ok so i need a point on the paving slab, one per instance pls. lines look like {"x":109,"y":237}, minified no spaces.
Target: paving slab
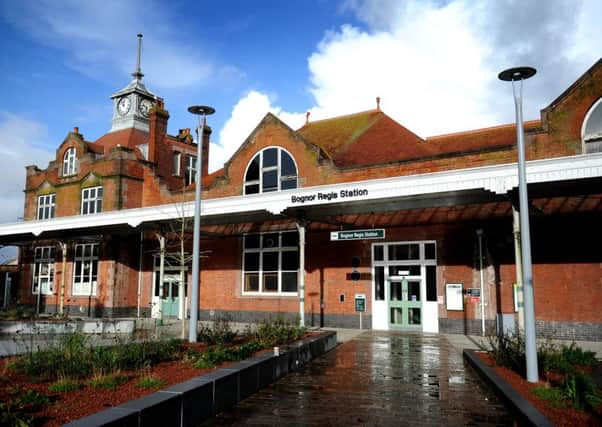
{"x":376,"y":378}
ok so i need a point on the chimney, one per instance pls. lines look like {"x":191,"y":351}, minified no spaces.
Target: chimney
{"x":205,"y":152}
{"x":307,"y":117}
{"x":157,"y":129}
{"x":378,"y":103}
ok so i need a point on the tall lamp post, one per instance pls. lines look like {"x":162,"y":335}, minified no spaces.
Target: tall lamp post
{"x":516,"y":76}
{"x":204,"y":111}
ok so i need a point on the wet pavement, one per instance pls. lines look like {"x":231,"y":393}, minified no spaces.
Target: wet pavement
{"x":380,"y":379}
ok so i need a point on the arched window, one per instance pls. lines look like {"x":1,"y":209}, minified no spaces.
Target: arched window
{"x":70,"y":162}
{"x":272,"y":169}
{"x":591,"y":132}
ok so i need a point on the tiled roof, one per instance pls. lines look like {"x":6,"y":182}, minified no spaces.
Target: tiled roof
{"x":372,"y":137}
{"x":479,"y":139}
{"x":369,"y":137}
{"x":126,"y":138}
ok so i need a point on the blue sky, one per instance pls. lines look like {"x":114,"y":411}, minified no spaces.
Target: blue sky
{"x":434,"y":65}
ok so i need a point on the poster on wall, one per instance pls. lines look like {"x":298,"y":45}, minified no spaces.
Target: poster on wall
{"x":454,"y":296}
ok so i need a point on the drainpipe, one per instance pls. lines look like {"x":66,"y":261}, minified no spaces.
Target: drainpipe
{"x":63,"y":268}
{"x":480,"y":237}
{"x":519,"y":269}
{"x":161,"y":274}
{"x":139,"y":293}
{"x":301,"y":228}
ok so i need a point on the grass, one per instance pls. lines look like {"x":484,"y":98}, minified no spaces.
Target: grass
{"x":64,"y":385}
{"x":151,"y":382}
{"x":107,"y":381}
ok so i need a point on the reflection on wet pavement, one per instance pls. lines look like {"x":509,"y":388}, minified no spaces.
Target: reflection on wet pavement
{"x":378,"y":378}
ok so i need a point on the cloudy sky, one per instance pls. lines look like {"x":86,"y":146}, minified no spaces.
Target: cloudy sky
{"x":434,"y":65}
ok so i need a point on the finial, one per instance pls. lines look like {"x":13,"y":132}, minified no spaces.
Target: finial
{"x":378,"y":103}
{"x":138,"y":73}
{"x":307,"y":117}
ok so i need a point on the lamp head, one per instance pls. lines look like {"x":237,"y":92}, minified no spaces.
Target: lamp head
{"x":517,"y":73}
{"x":201,"y":110}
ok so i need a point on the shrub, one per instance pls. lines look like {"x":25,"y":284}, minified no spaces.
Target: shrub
{"x":107,"y":381}
{"x":18,"y":410}
{"x":275,"y":332}
{"x":220,"y":332}
{"x":74,"y":358}
{"x":581,"y":391}
{"x":553,"y":395}
{"x":219,"y":354}
{"x":64,"y":385}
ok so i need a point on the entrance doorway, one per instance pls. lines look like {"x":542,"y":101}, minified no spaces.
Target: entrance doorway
{"x":170,"y":303}
{"x":405,"y":304}
{"x":167,"y":299}
{"x":405,"y":286}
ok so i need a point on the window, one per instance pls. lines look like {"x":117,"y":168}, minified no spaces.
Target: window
{"x":46,"y":205}
{"x":91,"y":200}
{"x":144,"y":150}
{"x":70,"y":162}
{"x":85,"y":272}
{"x":190,"y":169}
{"x":43,"y":270}
{"x":271,"y":263}
{"x":591,"y":132}
{"x":176,"y":159}
{"x":272,"y":169}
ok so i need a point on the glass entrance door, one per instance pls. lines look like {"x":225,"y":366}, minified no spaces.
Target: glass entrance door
{"x":405,"y":306}
{"x":171,"y":302}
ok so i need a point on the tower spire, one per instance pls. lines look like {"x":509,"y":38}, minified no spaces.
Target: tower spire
{"x":138,"y":73}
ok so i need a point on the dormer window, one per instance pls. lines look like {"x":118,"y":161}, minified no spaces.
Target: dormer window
{"x":70,"y":162}
{"x":272,"y":169}
{"x":591,"y":132}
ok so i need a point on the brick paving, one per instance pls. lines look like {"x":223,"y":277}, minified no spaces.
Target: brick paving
{"x":380,"y":379}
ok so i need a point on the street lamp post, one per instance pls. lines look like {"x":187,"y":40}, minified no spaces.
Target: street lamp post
{"x":514,"y":75}
{"x":204,"y":111}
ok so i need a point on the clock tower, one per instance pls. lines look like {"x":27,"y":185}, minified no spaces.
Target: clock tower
{"x":131,"y":105}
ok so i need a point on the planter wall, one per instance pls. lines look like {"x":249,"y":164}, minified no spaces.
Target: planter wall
{"x":191,"y":402}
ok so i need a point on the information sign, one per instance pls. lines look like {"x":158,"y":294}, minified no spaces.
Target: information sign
{"x":360,"y":303}
{"x":373,"y":233}
{"x":454,"y":296}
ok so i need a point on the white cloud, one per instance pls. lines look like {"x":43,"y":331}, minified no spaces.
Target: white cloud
{"x":245,"y":116}
{"x":98,"y":38}
{"x":20,"y":139}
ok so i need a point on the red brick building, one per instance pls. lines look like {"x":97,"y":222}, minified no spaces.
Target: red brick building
{"x":303,"y":223}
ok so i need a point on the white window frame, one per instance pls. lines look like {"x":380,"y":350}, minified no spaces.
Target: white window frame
{"x":591,"y":143}
{"x":176,"y":163}
{"x":85,"y":277}
{"x":190,"y":169}
{"x":144,"y":150}
{"x":70,"y":162}
{"x":92,"y":200}
{"x":43,"y":271}
{"x":261,"y":250}
{"x":276,"y":167}
{"x":46,"y":206}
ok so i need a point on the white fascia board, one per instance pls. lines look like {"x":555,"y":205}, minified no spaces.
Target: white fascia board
{"x":498,"y":179}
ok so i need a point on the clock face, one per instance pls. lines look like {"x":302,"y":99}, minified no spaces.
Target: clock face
{"x":145,"y":106}
{"x":123,"y":106}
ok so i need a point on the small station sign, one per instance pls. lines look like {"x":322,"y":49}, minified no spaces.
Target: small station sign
{"x":360,"y":303}
{"x":373,"y":233}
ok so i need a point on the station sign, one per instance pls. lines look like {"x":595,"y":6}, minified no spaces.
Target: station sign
{"x":373,"y":233}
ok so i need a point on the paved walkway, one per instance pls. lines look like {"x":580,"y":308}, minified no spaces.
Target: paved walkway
{"x":376,"y":378}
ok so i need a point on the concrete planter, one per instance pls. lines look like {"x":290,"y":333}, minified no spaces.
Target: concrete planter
{"x":521,"y":408}
{"x":39,"y":327}
{"x":191,"y":402}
